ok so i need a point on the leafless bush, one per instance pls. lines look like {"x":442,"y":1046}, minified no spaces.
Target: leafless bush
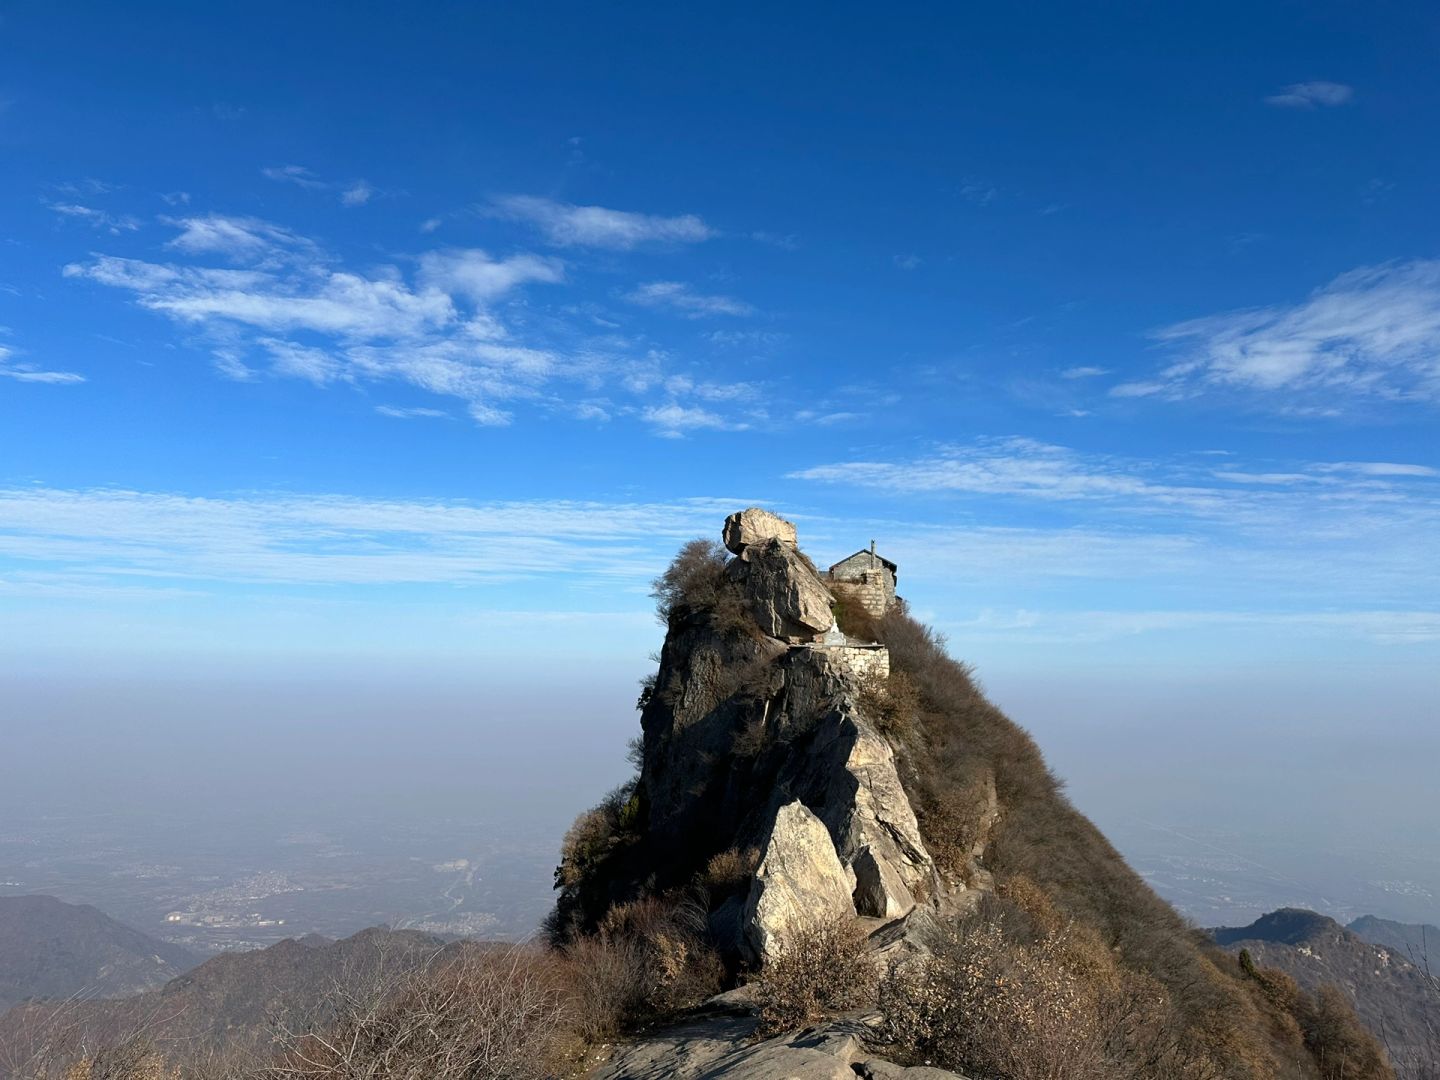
{"x":731,"y":870}
{"x":62,"y":1040}
{"x":1340,"y":1045}
{"x":1053,"y":1006}
{"x":649,"y":958}
{"x":852,"y":616}
{"x":594,"y":835}
{"x":821,"y":967}
{"x":473,"y":1012}
{"x":891,"y":703}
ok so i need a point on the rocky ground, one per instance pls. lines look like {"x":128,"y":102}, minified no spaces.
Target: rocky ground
{"x":719,"y":1041}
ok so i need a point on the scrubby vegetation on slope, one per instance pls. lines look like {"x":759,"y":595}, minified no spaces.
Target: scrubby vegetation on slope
{"x":1201,"y":1012}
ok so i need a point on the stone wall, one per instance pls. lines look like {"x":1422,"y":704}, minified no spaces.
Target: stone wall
{"x":863,"y":661}
{"x":874,"y":590}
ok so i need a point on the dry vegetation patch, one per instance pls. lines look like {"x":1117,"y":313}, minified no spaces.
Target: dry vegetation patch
{"x":820,"y":968}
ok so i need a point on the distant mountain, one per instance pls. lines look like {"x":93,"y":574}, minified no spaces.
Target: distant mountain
{"x":1288,"y":926}
{"x":229,"y":999}
{"x":50,"y":949}
{"x":1394,"y":998}
{"x":1416,"y":942}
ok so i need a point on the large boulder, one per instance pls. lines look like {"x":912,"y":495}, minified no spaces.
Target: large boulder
{"x":787,"y":598}
{"x":799,"y":879}
{"x":755,"y":526}
{"x":880,"y":891}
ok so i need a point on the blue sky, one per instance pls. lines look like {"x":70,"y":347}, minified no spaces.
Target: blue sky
{"x":418,"y":334}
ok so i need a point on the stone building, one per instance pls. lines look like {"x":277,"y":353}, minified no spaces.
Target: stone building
{"x":868,"y":577}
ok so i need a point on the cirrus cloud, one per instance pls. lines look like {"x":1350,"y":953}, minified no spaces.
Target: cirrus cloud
{"x":568,"y":225}
{"x":1371,"y":333}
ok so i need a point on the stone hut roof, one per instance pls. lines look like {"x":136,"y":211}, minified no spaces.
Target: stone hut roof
{"x":868,"y":554}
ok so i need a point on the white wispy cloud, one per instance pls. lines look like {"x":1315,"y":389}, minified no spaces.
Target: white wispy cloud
{"x":31,"y":374}
{"x":318,"y":540}
{"x":115,"y":224}
{"x":317,"y":299}
{"x":435,"y":331}
{"x":472,"y":273}
{"x":356,"y":194}
{"x":1309,"y":95}
{"x":680,"y":297}
{"x":1011,"y":467}
{"x":680,"y":385}
{"x":242,"y":239}
{"x":1084,"y":372}
{"x":350,"y":192}
{"x":1371,"y":333}
{"x":92,"y":547}
{"x":1379,"y":468}
{"x":411,"y":413}
{"x":1040,"y":627}
{"x":451,"y":321}
{"x":568,"y":225}
{"x":1355,"y":495}
{"x":825,"y":419}
{"x":675,"y":420}
{"x":23,"y":371}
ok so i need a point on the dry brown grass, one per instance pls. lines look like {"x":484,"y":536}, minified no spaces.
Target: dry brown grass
{"x":649,"y":958}
{"x":821,"y":968}
{"x":731,"y":870}
{"x":474,"y":1011}
{"x":1043,"y":1005}
{"x":695,"y":583}
{"x":892,"y":704}
{"x":960,"y":742}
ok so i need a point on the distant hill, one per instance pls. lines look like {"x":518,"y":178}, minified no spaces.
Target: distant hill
{"x":229,"y":999}
{"x":1393,"y":997}
{"x":1416,"y":942}
{"x":53,"y":950}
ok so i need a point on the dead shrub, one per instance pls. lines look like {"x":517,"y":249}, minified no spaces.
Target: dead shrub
{"x":890,"y":703}
{"x":649,"y":958}
{"x":595,"y":834}
{"x":731,"y":870}
{"x":1055,"y":1007}
{"x":695,"y":582}
{"x":130,"y":1059}
{"x":1340,"y":1045}
{"x":473,"y":1011}
{"x":820,"y":968}
{"x":607,"y":985}
{"x":953,"y":818}
{"x":852,"y":616}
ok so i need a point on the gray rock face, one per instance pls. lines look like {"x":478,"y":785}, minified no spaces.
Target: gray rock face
{"x":880,"y":892}
{"x":800,"y":878}
{"x":786,"y":597}
{"x":755,"y":526}
{"x":880,"y":821}
{"x":716,"y":1047}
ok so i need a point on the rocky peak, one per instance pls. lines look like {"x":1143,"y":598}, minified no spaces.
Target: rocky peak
{"x":758,"y":738}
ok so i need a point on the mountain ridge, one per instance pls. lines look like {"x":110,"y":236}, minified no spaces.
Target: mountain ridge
{"x":50,"y":949}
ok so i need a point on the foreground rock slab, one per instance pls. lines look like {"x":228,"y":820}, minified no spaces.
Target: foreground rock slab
{"x":713,"y":1048}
